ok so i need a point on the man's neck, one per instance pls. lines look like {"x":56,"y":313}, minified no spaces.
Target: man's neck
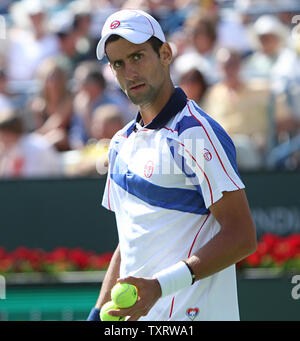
{"x":150,"y":110}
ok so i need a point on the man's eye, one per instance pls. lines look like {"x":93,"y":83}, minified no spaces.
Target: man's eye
{"x":136,"y":56}
{"x":117,"y":64}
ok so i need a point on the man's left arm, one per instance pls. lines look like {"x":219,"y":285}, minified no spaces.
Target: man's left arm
{"x":235,"y":240}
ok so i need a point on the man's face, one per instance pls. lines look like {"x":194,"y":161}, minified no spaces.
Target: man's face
{"x":270,"y":43}
{"x":139,"y":70}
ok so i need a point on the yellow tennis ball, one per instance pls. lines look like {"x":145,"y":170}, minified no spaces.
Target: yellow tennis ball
{"x":104,"y":316}
{"x":124,"y":295}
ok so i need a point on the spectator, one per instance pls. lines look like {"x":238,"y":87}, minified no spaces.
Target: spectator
{"x":271,"y":37}
{"x":194,"y":85}
{"x":29,"y":45}
{"x":106,"y":121}
{"x":286,"y":85}
{"x":287,"y":10}
{"x":23,"y":154}
{"x":170,"y":14}
{"x":242,"y":109}
{"x":52,"y":109}
{"x":93,"y":92}
{"x":179,"y":43}
{"x":4,"y":6}
{"x":232,"y":31}
{"x":202,"y":49}
{"x":86,"y":44}
{"x":5,"y":100}
{"x":68,"y":37}
{"x":286,"y":88}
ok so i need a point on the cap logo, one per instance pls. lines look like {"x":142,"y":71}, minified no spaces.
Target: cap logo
{"x":115,"y":24}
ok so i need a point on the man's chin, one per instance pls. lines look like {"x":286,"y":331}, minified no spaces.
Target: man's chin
{"x":137,"y":100}
{"x":141,"y":99}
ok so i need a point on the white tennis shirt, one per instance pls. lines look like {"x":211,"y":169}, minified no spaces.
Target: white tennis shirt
{"x":161,"y":181}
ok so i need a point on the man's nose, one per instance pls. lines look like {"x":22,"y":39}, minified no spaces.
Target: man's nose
{"x":130,"y":72}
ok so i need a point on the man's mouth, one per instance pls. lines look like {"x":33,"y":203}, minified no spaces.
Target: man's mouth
{"x":137,"y":87}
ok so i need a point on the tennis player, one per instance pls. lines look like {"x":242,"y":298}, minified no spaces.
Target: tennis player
{"x":182,"y":215}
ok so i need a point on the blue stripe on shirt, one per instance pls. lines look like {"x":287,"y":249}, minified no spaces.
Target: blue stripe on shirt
{"x":185,"y":123}
{"x":185,"y":200}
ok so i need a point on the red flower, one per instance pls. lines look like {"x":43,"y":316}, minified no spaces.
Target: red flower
{"x":20,"y":253}
{"x":6,"y":263}
{"x":274,"y":250}
{"x":253,"y":260}
{"x":294,"y":241}
{"x":267,"y":243}
{"x":287,"y":248}
{"x":23,"y":259}
{"x":99,"y":262}
{"x":79,"y":258}
{"x":2,"y":252}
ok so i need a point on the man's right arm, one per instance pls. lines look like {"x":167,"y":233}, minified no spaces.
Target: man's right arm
{"x":110,"y":279}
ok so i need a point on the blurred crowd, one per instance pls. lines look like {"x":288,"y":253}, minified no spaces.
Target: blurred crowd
{"x":59,"y":106}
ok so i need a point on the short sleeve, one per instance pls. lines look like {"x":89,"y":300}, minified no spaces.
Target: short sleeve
{"x":210,"y":158}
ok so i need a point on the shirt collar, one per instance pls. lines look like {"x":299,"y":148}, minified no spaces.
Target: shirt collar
{"x":175,"y":104}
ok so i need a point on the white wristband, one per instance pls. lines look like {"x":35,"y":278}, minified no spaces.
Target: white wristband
{"x":174,"y":278}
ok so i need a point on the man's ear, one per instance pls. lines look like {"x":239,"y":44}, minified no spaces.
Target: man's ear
{"x":166,"y":54}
